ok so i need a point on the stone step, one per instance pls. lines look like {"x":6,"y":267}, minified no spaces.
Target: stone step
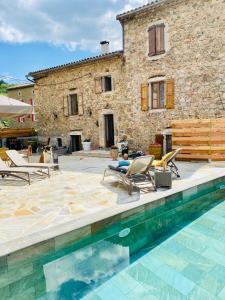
{"x":93,"y":153}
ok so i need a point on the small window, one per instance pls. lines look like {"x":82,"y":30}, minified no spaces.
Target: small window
{"x":73,"y":105}
{"x":103,"y":84}
{"x":107,"y":83}
{"x":156,"y":40}
{"x":158,"y":95}
{"x":19,"y":93}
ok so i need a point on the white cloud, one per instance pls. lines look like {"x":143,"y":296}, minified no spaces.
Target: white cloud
{"x":71,"y":23}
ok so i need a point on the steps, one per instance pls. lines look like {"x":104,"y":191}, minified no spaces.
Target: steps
{"x":93,"y":153}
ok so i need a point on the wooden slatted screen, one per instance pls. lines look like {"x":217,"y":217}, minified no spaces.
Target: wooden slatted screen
{"x":199,"y":139}
{"x":16,"y":132}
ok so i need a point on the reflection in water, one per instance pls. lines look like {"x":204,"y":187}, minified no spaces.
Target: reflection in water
{"x":74,"y":275}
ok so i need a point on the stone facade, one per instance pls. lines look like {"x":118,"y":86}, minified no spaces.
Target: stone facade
{"x":51,"y":93}
{"x":194,"y":59}
{"x":23,"y":93}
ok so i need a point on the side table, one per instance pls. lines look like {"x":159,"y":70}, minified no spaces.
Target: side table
{"x":163,"y":178}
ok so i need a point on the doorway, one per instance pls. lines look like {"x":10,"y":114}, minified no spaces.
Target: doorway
{"x":109,"y":130}
{"x":76,"y":142}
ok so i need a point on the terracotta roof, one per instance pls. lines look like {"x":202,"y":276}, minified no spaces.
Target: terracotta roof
{"x":20,"y":86}
{"x":78,"y":62}
{"x":148,"y":6}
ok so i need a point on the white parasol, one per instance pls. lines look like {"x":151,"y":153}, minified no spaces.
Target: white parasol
{"x":10,"y":108}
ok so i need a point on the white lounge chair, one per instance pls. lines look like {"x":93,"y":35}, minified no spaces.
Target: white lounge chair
{"x":136,"y":172}
{"x":19,"y":161}
{"x":16,"y":172}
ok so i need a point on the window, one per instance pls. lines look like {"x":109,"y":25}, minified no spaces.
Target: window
{"x":19,"y":93}
{"x":73,"y":105}
{"x":158,"y":95}
{"x":107,"y":83}
{"x":156,"y":40}
{"x":103,"y":84}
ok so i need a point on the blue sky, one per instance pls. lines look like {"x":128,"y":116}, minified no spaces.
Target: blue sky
{"x":36,"y":34}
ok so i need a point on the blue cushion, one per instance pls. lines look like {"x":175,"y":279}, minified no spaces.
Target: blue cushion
{"x":123,"y":163}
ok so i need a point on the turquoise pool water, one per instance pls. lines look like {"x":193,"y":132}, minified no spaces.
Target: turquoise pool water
{"x":173,"y":250}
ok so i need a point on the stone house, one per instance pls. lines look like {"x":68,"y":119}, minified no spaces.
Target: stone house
{"x":25,"y":93}
{"x":177,"y":59}
{"x":82,"y":100}
{"x":171,"y":67}
{"x":21,"y":131}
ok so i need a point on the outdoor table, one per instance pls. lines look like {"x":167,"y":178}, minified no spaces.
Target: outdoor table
{"x":163,"y":178}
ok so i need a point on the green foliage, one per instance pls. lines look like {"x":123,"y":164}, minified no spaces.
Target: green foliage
{"x":3,"y":87}
{"x":5,"y":123}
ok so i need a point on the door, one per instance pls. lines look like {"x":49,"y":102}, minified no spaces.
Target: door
{"x":109,"y":130}
{"x":76,"y":142}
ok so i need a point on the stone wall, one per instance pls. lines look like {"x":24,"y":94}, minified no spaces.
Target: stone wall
{"x":51,"y":95}
{"x":195,"y":60}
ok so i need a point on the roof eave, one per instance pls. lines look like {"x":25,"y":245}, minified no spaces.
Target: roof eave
{"x":133,"y":12}
{"x":75,"y":64}
{"x":22,"y":86}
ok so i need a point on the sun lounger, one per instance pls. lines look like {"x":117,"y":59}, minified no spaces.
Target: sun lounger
{"x":16,"y":172}
{"x":19,"y":161}
{"x":169,"y":160}
{"x":137,"y":171}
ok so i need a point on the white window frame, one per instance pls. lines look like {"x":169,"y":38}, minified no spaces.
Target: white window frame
{"x":150,"y":81}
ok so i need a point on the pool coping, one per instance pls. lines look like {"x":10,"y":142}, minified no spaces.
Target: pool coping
{"x":93,"y":219}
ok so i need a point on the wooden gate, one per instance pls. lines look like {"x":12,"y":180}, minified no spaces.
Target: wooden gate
{"x":199,"y":139}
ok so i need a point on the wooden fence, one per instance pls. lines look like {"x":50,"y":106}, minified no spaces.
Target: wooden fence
{"x":199,"y":139}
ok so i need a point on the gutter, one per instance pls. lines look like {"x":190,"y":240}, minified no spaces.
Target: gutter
{"x":74,"y":64}
{"x":149,"y":6}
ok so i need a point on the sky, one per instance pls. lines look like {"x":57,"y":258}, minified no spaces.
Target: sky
{"x":36,"y":34}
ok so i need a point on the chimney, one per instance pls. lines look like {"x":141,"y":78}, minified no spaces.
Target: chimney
{"x":104,"y":47}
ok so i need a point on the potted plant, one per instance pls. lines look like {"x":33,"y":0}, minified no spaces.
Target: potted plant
{"x":86,"y":144}
{"x":114,"y":152}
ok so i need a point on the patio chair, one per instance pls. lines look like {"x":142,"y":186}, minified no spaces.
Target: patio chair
{"x":19,"y":161}
{"x":3,"y":154}
{"x":169,"y":160}
{"x":137,"y":172}
{"x":16,"y":172}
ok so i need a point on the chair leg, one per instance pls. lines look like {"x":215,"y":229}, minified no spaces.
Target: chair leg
{"x":104,"y":174}
{"x":130,"y":189}
{"x":174,"y":169}
{"x":28,"y":175}
{"x":152,"y":181}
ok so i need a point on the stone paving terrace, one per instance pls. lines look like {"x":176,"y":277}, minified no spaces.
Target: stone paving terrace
{"x":75,"y":197}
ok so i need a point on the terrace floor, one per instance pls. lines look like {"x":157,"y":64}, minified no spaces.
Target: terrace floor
{"x":75,"y":197}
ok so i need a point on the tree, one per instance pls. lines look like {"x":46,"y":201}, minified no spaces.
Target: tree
{"x":3,"y":87}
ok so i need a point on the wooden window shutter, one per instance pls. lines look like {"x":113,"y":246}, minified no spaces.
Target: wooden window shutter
{"x":80,"y":105}
{"x":160,"y":40}
{"x":65,"y":106}
{"x":144,"y":97}
{"x":152,"y":40}
{"x":98,"y":85}
{"x":69,"y":105}
{"x":170,"y":94}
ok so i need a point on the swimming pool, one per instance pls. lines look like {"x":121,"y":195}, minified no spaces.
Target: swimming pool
{"x":170,"y":249}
